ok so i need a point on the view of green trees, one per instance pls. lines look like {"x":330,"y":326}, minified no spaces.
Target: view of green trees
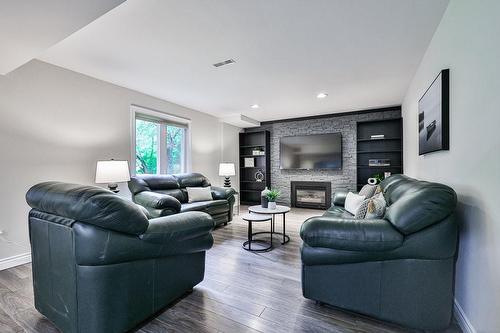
{"x":146,"y":141}
{"x":147,"y":134}
{"x":175,"y":139}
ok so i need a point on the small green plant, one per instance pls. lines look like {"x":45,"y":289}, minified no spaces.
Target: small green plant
{"x":272,"y":195}
{"x":379,"y":177}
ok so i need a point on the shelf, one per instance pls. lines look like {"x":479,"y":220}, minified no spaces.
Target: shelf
{"x":251,"y":146}
{"x":384,"y":139}
{"x":250,"y":142}
{"x":379,"y":151}
{"x":378,"y":167}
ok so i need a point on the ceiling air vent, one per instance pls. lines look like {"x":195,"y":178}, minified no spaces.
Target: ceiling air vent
{"x":225,"y":62}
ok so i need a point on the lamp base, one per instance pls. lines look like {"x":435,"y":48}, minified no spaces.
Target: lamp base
{"x":113,"y":187}
{"x":227,"y":182}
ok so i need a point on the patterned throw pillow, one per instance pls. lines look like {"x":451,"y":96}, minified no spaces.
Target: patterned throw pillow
{"x":361,"y":212}
{"x":376,"y":207}
{"x":378,"y":190}
{"x":368,"y":190}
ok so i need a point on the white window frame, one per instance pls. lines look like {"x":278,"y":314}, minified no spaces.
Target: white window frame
{"x":136,"y":110}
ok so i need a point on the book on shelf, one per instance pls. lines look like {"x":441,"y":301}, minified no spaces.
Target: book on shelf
{"x":377,"y":136}
{"x":379,"y":162}
{"x":249,"y":162}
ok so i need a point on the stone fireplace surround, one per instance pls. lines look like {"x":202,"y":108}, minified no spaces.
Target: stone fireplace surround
{"x":344,"y":123}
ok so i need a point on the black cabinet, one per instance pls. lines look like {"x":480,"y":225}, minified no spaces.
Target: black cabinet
{"x":255,"y":165}
{"x":379,"y":148}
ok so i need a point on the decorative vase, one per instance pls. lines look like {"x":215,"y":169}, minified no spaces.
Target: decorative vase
{"x":263,"y":197}
{"x":271,"y":205}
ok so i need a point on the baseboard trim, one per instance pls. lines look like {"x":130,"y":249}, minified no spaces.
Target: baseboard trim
{"x":462,"y":319}
{"x":14,"y":261}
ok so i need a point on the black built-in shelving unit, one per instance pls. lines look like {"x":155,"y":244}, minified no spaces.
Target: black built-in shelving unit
{"x":250,"y":189}
{"x":390,"y":147}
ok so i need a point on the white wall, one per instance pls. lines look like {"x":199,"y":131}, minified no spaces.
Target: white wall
{"x":467,"y":42}
{"x":55,"y":124}
{"x":230,"y":150}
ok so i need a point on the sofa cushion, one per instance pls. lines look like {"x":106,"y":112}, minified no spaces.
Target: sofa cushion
{"x":353,"y":202}
{"x":177,"y":193}
{"x":361,"y":211}
{"x":368,"y":190}
{"x":88,"y":204}
{"x":153,"y":183}
{"x":421,"y":207}
{"x":337,"y":211}
{"x":191,"y":180}
{"x":210,"y":207}
{"x":350,"y":234}
{"x":196,"y":194}
{"x":376,"y":207}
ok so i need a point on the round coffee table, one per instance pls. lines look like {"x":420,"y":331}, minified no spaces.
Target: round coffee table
{"x":251,"y":217}
{"x":258,"y":209}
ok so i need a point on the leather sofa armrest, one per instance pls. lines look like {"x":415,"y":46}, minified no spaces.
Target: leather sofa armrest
{"x":179,"y":228}
{"x":219,"y":193}
{"x":156,"y":200}
{"x":339,"y":197}
{"x":350,"y":234}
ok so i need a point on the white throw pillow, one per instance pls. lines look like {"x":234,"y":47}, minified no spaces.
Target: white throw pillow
{"x":353,"y":202}
{"x":199,"y":194}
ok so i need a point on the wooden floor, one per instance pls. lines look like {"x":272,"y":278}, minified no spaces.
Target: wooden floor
{"x":242,"y":292}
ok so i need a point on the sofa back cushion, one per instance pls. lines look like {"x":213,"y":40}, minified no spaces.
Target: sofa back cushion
{"x":88,"y":204}
{"x":155,"y":183}
{"x":191,"y":180}
{"x":414,"y":205}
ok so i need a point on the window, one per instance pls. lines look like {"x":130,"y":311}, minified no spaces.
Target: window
{"x":160,"y":143}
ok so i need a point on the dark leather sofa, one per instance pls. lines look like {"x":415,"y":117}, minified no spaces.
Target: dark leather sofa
{"x":399,"y":268}
{"x":99,"y":265}
{"x":164,"y":195}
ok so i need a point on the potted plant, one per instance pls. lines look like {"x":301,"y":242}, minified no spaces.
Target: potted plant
{"x":272,"y":195}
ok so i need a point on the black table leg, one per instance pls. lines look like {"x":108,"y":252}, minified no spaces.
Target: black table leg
{"x":250,"y":235}
{"x":284,"y":232}
{"x":272,"y":230}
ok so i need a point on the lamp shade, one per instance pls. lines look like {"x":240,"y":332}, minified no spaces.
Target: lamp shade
{"x":227,"y":169}
{"x":112,"y":172}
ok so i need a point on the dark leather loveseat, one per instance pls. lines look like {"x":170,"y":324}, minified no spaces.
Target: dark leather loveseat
{"x":399,"y":268}
{"x":164,"y":195}
{"x":100,"y":266}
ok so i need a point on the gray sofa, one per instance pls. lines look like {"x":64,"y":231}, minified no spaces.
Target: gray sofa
{"x":163,"y":195}
{"x":399,"y":268}
{"x":100,"y":266}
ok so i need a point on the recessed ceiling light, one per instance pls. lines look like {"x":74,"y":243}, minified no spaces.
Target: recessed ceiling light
{"x":255,"y":106}
{"x":322,"y":95}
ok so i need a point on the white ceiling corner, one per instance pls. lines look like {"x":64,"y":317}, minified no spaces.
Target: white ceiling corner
{"x":28,"y":27}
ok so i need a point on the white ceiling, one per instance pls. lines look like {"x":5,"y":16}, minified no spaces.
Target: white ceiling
{"x":363,"y":53}
{"x":29,"y":27}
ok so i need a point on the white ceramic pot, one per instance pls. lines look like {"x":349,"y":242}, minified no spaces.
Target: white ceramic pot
{"x":271,"y":205}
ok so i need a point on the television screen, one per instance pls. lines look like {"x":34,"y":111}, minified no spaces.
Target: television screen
{"x":308,"y":152}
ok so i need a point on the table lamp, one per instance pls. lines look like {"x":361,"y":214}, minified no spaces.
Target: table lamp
{"x":112,"y":172}
{"x":226,"y":170}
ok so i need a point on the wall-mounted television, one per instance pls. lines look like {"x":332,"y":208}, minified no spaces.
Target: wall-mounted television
{"x":311,"y":152}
